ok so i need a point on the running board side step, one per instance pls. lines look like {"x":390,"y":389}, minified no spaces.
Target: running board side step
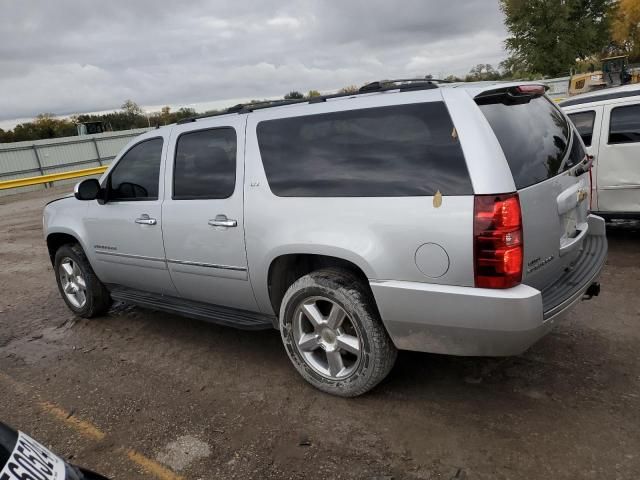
{"x":229,"y":317}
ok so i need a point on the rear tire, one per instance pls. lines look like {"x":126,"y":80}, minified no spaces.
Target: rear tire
{"x":333,"y":334}
{"x":80,"y":288}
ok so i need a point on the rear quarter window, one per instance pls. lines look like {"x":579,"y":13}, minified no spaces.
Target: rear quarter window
{"x":534,"y":137}
{"x":583,"y":122}
{"x":400,"y":150}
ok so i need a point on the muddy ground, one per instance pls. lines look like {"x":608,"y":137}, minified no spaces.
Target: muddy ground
{"x":210,"y":402}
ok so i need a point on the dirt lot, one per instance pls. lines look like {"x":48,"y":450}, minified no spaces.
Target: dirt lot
{"x":139,"y":394}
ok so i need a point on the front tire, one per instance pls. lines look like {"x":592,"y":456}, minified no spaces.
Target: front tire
{"x":79,"y":286}
{"x":333,"y":334}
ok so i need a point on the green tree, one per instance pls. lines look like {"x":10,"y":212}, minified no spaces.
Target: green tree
{"x":132,"y":108}
{"x":515,"y":68}
{"x":293,"y":95}
{"x":483,"y":71}
{"x":313,"y":93}
{"x":45,"y":125}
{"x":548,"y":36}
{"x":185,"y":112}
{"x":349,"y":89}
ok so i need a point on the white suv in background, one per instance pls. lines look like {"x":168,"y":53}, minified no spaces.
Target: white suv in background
{"x":609,"y":123}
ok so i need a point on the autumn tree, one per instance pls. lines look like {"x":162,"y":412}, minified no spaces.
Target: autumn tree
{"x":165,"y":115}
{"x":547,"y":36}
{"x":625,"y":28}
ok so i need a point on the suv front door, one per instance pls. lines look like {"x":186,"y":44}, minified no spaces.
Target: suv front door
{"x":125,"y":232}
{"x":203,"y":215}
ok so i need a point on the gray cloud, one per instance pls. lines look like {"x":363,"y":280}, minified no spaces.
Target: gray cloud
{"x":70,"y":56}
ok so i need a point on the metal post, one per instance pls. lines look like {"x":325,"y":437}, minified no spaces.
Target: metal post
{"x":35,"y":150}
{"x":95,"y":144}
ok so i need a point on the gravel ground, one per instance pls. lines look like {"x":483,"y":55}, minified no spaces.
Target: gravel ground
{"x":198,"y":401}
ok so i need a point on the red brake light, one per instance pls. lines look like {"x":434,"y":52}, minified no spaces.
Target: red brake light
{"x":497,"y":235}
{"x":531,"y":89}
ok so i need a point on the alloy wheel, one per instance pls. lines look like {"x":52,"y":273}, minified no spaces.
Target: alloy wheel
{"x":73,"y":283}
{"x":326,"y":337}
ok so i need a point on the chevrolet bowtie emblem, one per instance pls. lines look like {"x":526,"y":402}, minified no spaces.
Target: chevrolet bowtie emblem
{"x":582,"y":194}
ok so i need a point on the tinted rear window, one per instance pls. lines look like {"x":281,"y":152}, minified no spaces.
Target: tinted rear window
{"x":401,"y":150}
{"x":534,"y":137}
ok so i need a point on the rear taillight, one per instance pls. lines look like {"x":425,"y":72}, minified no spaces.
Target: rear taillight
{"x":497,"y":237}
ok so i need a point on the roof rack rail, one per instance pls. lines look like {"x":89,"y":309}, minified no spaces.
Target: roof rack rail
{"x":243,"y":108}
{"x":378,"y":86}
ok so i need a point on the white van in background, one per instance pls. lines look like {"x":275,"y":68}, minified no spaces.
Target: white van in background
{"x":609,"y":123}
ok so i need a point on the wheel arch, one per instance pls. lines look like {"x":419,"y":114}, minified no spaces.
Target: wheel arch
{"x":286,"y":268}
{"x":59,"y":238}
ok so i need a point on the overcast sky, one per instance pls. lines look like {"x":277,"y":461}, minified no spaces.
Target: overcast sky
{"x":70,"y":57}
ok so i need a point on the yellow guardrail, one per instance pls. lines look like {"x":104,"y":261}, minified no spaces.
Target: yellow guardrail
{"x":50,"y":177}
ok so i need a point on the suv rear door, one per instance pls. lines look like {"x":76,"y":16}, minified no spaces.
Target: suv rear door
{"x":203,"y":213}
{"x":619,"y":158}
{"x":543,"y":154}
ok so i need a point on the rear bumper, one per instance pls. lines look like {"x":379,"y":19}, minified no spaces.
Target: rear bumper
{"x":485,"y":322}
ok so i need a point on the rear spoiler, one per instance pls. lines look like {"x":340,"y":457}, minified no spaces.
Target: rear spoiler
{"x":513,"y":95}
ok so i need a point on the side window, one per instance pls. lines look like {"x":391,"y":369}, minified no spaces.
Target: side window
{"x":584,"y":124}
{"x":205,"y":164}
{"x":400,"y":150}
{"x":136,"y":176}
{"x":624,"y":126}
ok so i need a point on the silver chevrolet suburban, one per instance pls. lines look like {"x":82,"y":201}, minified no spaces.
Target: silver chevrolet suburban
{"x":411,"y":215}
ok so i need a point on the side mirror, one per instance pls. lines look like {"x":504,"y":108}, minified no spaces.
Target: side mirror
{"x":88,"y":189}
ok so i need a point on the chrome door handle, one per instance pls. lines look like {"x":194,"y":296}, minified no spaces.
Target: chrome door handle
{"x":223,"y":221}
{"x":146,"y":220}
